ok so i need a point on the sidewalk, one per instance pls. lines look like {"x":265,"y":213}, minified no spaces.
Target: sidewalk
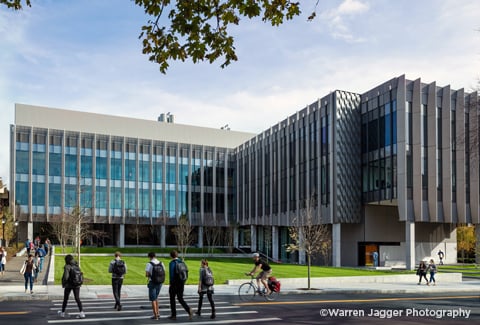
{"x":12,"y":285}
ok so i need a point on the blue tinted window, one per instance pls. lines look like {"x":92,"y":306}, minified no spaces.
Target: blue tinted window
{"x":157,"y":172}
{"x":130,"y":170}
{"x":130,"y":199}
{"x":38,"y":163}
{"x":101,"y":168}
{"x":38,"y":194}
{"x":71,"y":165}
{"x":21,"y":162}
{"x":55,"y":164}
{"x":394,"y":125}
{"x":115,"y":198}
{"x":115,"y":168}
{"x":171,"y":173}
{"x":144,"y":171}
{"x":101,"y":197}
{"x":21,"y":193}
{"x":86,"y":167}
{"x":54,"y":195}
{"x":70,"y":195}
{"x":388,"y":130}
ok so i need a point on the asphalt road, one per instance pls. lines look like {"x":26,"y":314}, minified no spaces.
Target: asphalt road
{"x":295,"y":309}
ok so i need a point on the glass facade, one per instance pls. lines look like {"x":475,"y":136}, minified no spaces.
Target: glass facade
{"x":379,"y":147}
{"x":117,"y":177}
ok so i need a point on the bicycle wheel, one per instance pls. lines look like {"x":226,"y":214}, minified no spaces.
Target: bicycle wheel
{"x":246,"y":292}
{"x":272,"y":296}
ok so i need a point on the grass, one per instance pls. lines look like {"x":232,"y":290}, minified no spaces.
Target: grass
{"x":95,"y":269}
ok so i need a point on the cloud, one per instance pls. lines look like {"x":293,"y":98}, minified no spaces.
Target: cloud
{"x":341,"y":19}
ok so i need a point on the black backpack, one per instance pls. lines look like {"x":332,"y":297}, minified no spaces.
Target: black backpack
{"x":158,"y":273}
{"x":207,"y":277}
{"x":181,"y":270}
{"x":76,"y":276}
{"x":119,"y":268}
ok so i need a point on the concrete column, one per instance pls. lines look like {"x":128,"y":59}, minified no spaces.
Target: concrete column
{"x":336,"y":244}
{"x":410,"y":245}
{"x":200,"y":237}
{"x":30,"y":230}
{"x":121,"y":235}
{"x":253,"y":236}
{"x":275,"y":240}
{"x":477,"y":246}
{"x":162,"y":236}
{"x":235,"y":236}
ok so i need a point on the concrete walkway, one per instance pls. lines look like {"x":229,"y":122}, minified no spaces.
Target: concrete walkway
{"x":12,"y":285}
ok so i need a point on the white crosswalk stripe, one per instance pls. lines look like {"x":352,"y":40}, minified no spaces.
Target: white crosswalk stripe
{"x":138,"y":311}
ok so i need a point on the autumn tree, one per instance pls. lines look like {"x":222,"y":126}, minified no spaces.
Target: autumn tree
{"x":465,"y":242}
{"x":308,"y":234}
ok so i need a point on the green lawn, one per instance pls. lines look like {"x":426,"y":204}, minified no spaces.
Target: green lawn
{"x":95,"y":269}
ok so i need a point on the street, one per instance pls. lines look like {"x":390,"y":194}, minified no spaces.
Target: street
{"x":289,"y":309}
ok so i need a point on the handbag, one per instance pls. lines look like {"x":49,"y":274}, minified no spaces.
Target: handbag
{"x":22,"y":270}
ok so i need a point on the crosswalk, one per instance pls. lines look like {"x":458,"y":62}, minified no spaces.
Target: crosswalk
{"x":139,"y":311}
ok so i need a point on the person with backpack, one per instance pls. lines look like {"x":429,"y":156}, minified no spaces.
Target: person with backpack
{"x":178,"y":273}
{"x":205,"y":286}
{"x":118,"y":268}
{"x":72,"y":280}
{"x":155,"y":272}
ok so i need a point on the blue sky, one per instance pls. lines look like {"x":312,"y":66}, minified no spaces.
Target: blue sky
{"x":86,"y":56}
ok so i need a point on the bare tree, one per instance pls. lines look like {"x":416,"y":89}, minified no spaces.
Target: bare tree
{"x":308,"y":234}
{"x":212,"y":232}
{"x":183,"y":234}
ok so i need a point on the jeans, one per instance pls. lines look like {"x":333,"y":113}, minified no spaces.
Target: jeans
{"x":28,"y":278}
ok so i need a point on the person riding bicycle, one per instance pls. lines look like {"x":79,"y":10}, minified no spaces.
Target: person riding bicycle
{"x":264,"y":274}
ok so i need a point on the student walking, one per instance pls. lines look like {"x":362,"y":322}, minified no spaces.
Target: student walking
{"x":422,"y":272}
{"x":118,"y":268}
{"x":155,"y":273}
{"x":205,"y":286}
{"x":71,"y":281}
{"x":3,"y":260}
{"x":28,"y":271}
{"x":177,"y":269}
{"x":432,"y":268}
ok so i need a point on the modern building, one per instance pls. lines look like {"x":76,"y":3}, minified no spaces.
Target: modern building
{"x":393,"y":170}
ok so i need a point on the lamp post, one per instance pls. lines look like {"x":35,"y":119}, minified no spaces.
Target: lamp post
{"x":16,"y":232}
{"x":4,"y":220}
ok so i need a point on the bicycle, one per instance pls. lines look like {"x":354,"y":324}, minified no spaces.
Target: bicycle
{"x":248,"y":290}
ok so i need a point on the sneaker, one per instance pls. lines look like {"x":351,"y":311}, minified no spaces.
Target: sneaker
{"x":31,"y":291}
{"x":61,"y":314}
{"x":81,"y":315}
{"x":172,"y":317}
{"x":190,"y":313}
{"x":155,"y":317}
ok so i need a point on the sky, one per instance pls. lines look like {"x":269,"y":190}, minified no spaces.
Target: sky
{"x":86,"y":56}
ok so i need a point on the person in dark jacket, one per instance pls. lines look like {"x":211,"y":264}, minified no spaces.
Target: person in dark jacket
{"x":176,"y":288}
{"x":117,"y":279}
{"x":69,"y":287}
{"x":422,"y":272}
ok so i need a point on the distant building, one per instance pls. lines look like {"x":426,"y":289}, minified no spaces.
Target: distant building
{"x":392,"y":171}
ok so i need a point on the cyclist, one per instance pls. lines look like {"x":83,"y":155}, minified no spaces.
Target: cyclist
{"x":266,"y":271}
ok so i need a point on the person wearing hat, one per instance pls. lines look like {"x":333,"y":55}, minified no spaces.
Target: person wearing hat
{"x":266,"y":271}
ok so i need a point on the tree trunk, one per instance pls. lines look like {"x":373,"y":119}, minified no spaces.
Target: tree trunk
{"x":308,"y":272}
